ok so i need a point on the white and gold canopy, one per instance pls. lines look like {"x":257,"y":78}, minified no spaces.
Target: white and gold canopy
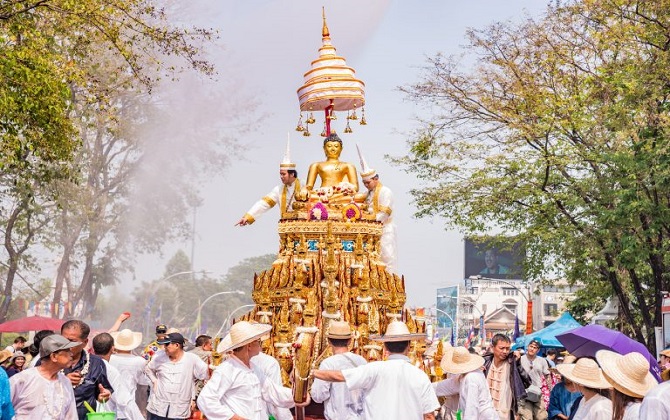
{"x":330,"y":81}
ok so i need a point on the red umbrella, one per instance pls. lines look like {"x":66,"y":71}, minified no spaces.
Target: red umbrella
{"x":31,"y":323}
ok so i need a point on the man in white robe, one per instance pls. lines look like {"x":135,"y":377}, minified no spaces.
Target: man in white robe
{"x":380,"y":203}
{"x":339,"y":402}
{"x":394,"y":389}
{"x":283,"y":194}
{"x":235,"y":391}
{"x":129,"y":365}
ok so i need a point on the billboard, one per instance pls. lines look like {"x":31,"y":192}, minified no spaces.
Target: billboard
{"x":447,"y":310}
{"x":494,"y":257}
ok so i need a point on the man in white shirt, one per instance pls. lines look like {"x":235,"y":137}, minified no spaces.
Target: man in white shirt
{"x":122,"y":401}
{"x":235,"y":391}
{"x":414,"y":398}
{"x":284,"y":194}
{"x":129,"y":365}
{"x":380,"y":203}
{"x":45,"y":392}
{"x":19,"y":343}
{"x":172,"y":373}
{"x":339,"y":402}
{"x":536,"y":368}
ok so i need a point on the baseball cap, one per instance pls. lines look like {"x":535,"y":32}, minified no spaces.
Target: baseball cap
{"x":54,"y":343}
{"x":172,"y":338}
{"x":161,"y":329}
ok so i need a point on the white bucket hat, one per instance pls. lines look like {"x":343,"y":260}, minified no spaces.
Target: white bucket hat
{"x":126,"y":339}
{"x":242,"y":333}
{"x":459,"y":360}
{"x":585,"y":372}
{"x":629,"y":373}
{"x":397,"y":331}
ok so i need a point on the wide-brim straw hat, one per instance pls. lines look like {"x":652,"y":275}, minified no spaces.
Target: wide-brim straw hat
{"x":459,"y":360}
{"x":585,"y":372}
{"x":628,"y":373}
{"x":339,"y":330}
{"x":4,"y":355}
{"x":243,"y":333}
{"x":665,"y":353}
{"x":126,"y":339}
{"x":397,"y":331}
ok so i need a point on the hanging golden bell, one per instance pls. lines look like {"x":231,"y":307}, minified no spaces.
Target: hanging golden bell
{"x":348,"y":129}
{"x":363,"y":121}
{"x":331,"y":115}
{"x":300,"y":127}
{"x":323,"y":133}
{"x":353,"y":115}
{"x":310,"y":119}
{"x":306,"y":133}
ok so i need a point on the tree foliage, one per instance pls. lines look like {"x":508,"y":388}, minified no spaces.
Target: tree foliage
{"x":558,"y":133}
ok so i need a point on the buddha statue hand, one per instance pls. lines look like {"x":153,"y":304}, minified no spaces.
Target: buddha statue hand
{"x":341,"y":193}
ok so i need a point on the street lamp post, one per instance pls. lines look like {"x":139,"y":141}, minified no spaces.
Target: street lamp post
{"x":230,"y":315}
{"x":227,"y":292}
{"x":529,"y":302}
{"x":453,"y":323}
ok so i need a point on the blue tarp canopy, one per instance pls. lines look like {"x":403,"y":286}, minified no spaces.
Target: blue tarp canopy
{"x":547,"y":336}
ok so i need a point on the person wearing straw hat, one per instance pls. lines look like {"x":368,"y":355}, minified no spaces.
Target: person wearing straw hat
{"x":563,"y":396}
{"x":589,"y":380}
{"x":339,"y":402}
{"x":235,"y":391}
{"x":469,"y":383}
{"x":284,"y":194}
{"x":173,"y":373}
{"x":379,"y":199}
{"x":45,"y":392}
{"x":631,"y":379}
{"x":396,"y":376}
{"x":129,"y":365}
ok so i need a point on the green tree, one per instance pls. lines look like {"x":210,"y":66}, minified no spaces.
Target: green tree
{"x":558,"y":133}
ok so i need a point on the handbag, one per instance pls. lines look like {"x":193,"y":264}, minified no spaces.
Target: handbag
{"x":533,"y":393}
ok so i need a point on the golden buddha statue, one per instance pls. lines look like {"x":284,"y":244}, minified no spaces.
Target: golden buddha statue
{"x":339,"y":180}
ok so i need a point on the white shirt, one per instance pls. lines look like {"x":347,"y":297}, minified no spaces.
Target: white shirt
{"x":597,"y":408}
{"x":474,"y":397}
{"x":10,"y":348}
{"x":656,"y":404}
{"x":122,"y":401}
{"x":131,"y":368}
{"x":339,"y":402}
{"x":273,"y":198}
{"x":632,"y":411}
{"x":235,"y":388}
{"x":36,"y":397}
{"x":394,"y":389}
{"x":173,"y":384}
{"x":267,"y":367}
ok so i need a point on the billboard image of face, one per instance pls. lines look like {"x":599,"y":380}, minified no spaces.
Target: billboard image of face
{"x":486,"y":257}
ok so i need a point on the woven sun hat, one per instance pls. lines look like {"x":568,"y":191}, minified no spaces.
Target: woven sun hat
{"x":397,"y":331}
{"x":459,"y":360}
{"x":628,"y":373}
{"x":665,"y":352}
{"x":126,"y":339}
{"x":243,"y":333}
{"x":585,"y":372}
{"x":339,"y":330}
{"x":569,"y":359}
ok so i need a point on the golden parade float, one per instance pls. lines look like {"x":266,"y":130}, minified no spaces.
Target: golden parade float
{"x":331,"y":263}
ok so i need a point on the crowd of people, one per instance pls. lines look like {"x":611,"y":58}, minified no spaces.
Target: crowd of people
{"x":64,"y":375}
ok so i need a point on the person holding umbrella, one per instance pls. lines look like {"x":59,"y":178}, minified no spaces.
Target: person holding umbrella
{"x":630,"y":377}
{"x":589,"y":380}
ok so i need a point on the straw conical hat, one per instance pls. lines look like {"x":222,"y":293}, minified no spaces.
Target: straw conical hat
{"x":243,"y":333}
{"x":397,"y":331}
{"x":585,"y":372}
{"x":459,"y":360}
{"x":126,"y":339}
{"x":628,"y":373}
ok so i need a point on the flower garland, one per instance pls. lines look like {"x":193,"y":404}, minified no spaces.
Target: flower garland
{"x":318,"y":212}
{"x":351,"y":212}
{"x":84,"y":370}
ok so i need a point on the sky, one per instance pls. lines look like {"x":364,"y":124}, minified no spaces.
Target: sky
{"x":267,"y":46}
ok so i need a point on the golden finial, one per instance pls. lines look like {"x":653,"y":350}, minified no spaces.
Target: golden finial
{"x":325,"y":33}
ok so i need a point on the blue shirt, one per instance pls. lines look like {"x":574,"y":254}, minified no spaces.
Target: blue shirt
{"x":561,"y":401}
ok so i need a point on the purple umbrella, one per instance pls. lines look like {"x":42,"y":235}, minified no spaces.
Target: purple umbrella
{"x":587,"y":340}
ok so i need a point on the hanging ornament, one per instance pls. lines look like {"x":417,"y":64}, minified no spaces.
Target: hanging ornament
{"x":323,"y":133}
{"x":353,"y":115}
{"x":300,"y":127}
{"x":348,"y":129}
{"x":306,"y":133}
{"x":310,"y":119}
{"x":363,"y":121}
{"x":331,"y":115}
